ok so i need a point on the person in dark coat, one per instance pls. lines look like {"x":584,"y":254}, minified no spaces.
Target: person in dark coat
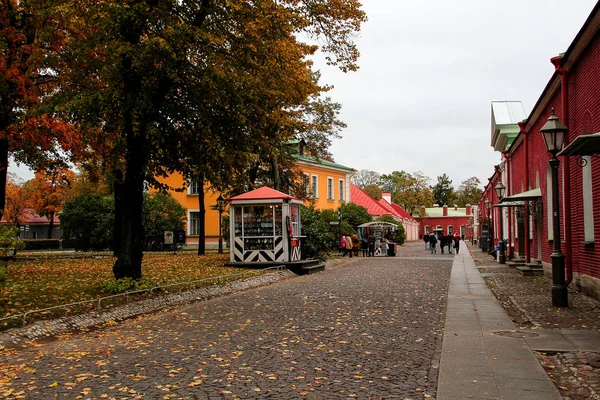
{"x":442,"y":240}
{"x":432,"y":242}
{"x":371,"y":245}
{"x":426,"y":240}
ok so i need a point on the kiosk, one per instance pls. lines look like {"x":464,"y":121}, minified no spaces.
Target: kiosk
{"x":265,"y":227}
{"x":384,"y":233}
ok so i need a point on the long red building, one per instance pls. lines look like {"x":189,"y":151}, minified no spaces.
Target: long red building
{"x":525,"y":214}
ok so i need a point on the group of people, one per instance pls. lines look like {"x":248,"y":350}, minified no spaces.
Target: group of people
{"x":370,"y":246}
{"x":448,"y":241}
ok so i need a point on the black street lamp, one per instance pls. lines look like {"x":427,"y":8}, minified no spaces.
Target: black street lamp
{"x":554,"y":133}
{"x":500,"y":189}
{"x":220,"y":206}
{"x":488,"y":204}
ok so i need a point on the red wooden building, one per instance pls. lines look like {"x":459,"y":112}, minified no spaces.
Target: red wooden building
{"x":525,"y":213}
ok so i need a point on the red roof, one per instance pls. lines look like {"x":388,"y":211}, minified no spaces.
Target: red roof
{"x":263,"y":193}
{"x":362,"y":199}
{"x":403,"y":213}
{"x":31,"y":218}
{"x":383,"y":203}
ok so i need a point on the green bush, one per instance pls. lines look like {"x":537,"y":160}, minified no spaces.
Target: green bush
{"x":87,"y":221}
{"x":9,"y":239}
{"x":41,"y":244}
{"x":161,"y":213}
{"x":126,"y":285}
{"x":319,"y":238}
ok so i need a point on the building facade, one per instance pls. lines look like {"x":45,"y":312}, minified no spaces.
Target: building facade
{"x":524,"y":216}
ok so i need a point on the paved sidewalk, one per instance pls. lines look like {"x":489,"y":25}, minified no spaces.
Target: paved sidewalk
{"x":484,"y":356}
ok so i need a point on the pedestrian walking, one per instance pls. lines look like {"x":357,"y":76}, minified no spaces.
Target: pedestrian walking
{"x":442,"y":240}
{"x":449,"y":243}
{"x":426,"y":240}
{"x":343,"y":246}
{"x":371,"y":245}
{"x":364,"y":245}
{"x":355,"y":244}
{"x":432,"y":242}
{"x":349,"y":245}
{"x":457,"y":242}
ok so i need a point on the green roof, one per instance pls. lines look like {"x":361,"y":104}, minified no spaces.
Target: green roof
{"x":325,"y":163}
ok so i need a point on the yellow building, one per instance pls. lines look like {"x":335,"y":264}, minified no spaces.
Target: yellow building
{"x":326,"y":183}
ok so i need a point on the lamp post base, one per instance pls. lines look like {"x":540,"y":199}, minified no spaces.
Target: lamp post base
{"x":501,"y":253}
{"x":220,"y":245}
{"x":560,"y":292}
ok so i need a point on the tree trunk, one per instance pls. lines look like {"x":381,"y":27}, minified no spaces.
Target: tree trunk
{"x":3,"y":173}
{"x":130,"y":195}
{"x":276,"y":177}
{"x":50,"y":225}
{"x":118,"y":200}
{"x":202,"y":216}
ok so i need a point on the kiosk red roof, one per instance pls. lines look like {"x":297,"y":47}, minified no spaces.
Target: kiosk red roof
{"x":263,"y":193}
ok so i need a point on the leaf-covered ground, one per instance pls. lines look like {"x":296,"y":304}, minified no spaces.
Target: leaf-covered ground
{"x":43,"y":282}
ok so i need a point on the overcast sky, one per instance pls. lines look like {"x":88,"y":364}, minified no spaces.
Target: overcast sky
{"x":429,"y":70}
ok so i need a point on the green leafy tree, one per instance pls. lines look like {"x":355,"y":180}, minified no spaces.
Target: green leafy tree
{"x":400,"y":234}
{"x":161,"y":213}
{"x":469,"y":192}
{"x":352,"y":216}
{"x":443,"y":192}
{"x":87,"y":221}
{"x":9,"y":239}
{"x":411,"y":191}
{"x":319,"y":239}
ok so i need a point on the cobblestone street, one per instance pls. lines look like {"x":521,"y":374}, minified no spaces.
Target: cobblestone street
{"x":369,"y":328}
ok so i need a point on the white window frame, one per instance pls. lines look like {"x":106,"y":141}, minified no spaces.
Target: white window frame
{"x":314,"y":186}
{"x":342,"y":189}
{"x":588,"y":200}
{"x":306,"y":184}
{"x":189,"y":222}
{"x":450,"y":229}
{"x":330,"y":189}
{"x":191,"y":186}
{"x":426,"y":231}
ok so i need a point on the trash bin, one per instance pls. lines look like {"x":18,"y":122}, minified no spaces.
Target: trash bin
{"x":391,"y":250}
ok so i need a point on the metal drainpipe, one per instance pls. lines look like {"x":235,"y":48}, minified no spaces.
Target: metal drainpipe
{"x":526,"y":214}
{"x":557,"y":61}
{"x":506,"y":194}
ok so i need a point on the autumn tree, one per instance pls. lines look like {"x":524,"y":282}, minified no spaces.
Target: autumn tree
{"x":469,"y":192}
{"x":364,"y":178}
{"x":411,"y":191}
{"x":157,"y":77}
{"x":443,"y":191}
{"x":374,"y":191}
{"x":27,"y":30}
{"x":16,"y":201}
{"x":48,"y":191}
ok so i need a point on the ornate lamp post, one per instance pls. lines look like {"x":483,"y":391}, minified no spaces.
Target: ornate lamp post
{"x":220,"y":206}
{"x":554,"y":133}
{"x":488,"y":204}
{"x":500,"y":189}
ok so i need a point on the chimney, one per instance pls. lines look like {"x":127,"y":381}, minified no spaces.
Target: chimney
{"x":387,"y":196}
{"x":445,"y":214}
{"x":436,"y":206}
{"x":468,"y":209}
{"x":455,"y":207}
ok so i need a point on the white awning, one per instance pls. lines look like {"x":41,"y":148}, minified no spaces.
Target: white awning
{"x":583,"y":145}
{"x":519,"y":199}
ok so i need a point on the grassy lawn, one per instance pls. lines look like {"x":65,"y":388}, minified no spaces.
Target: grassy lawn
{"x":36,"y":282}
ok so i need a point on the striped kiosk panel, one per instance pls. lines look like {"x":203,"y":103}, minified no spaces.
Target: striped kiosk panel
{"x":279,"y":253}
{"x":296,"y":255}
{"x":238,"y":249}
